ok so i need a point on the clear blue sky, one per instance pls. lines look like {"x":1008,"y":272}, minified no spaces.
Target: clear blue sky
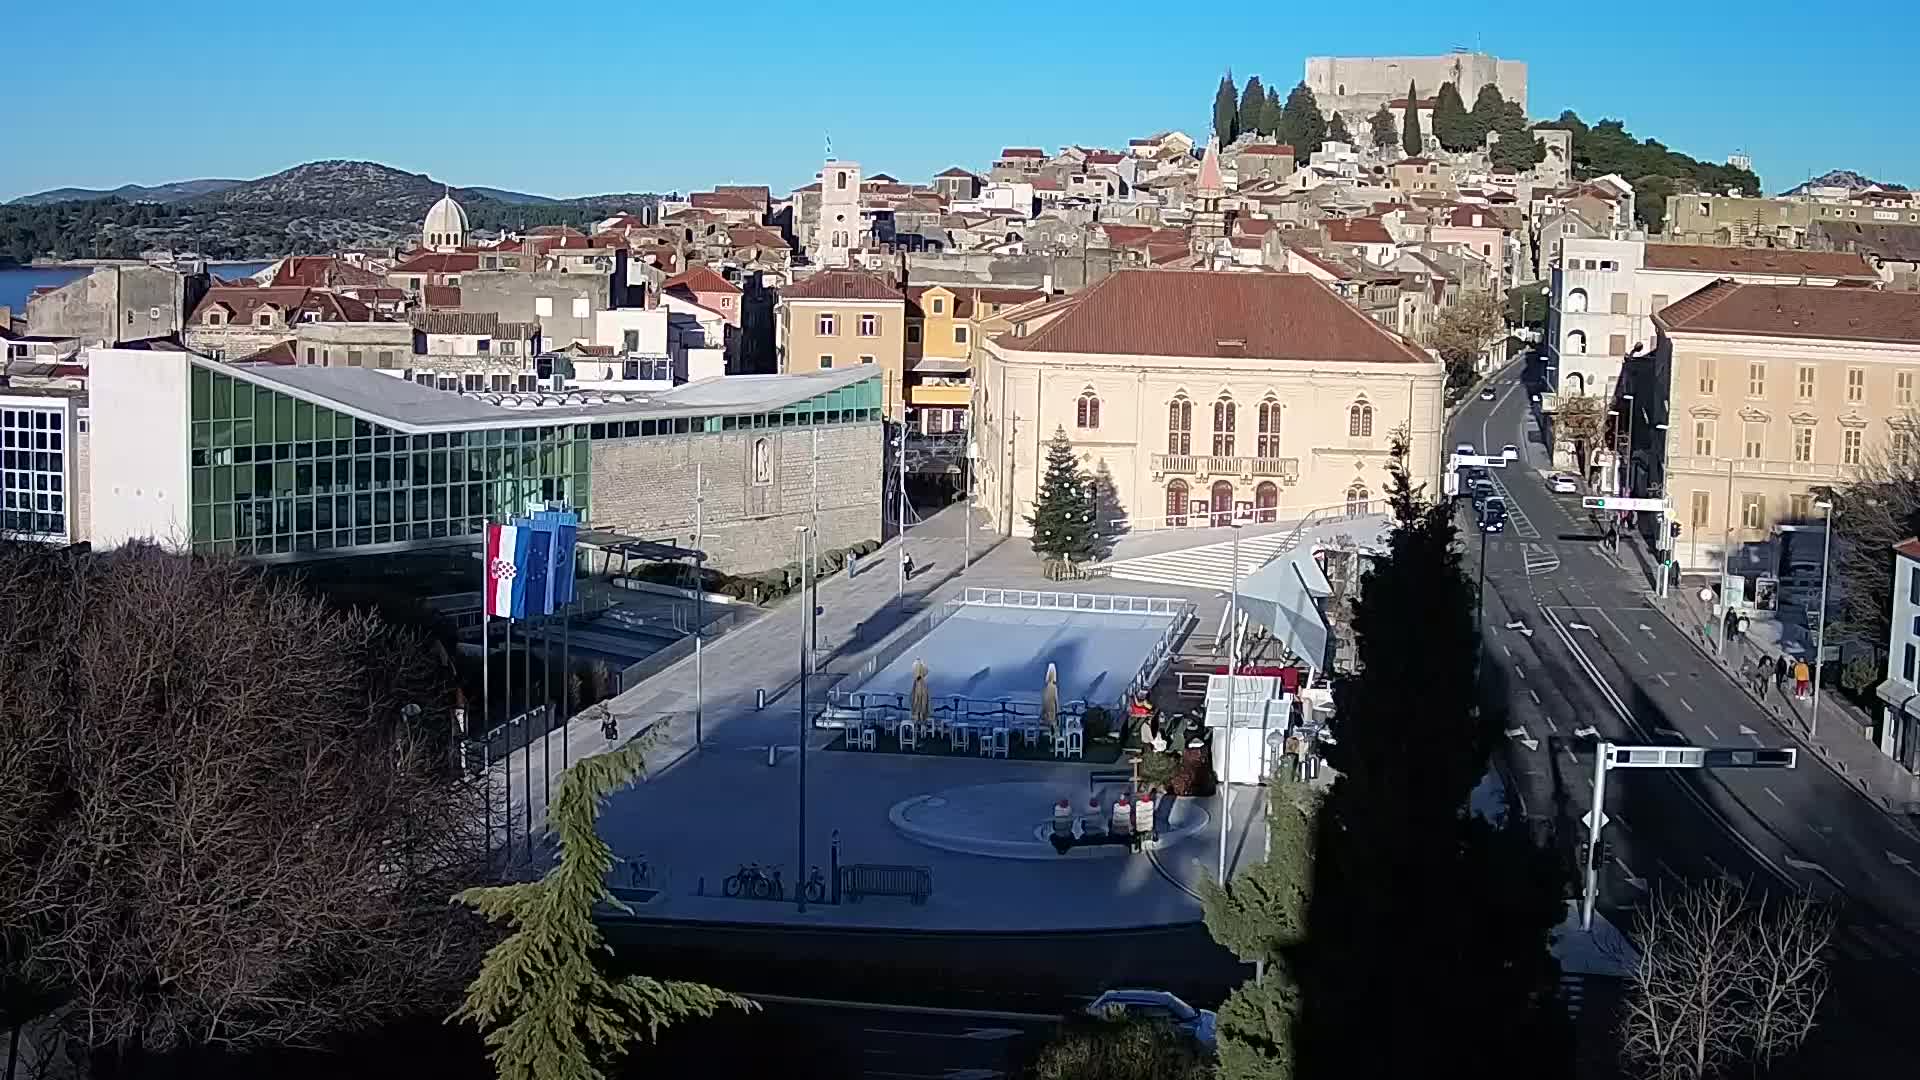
{"x":581,"y":98}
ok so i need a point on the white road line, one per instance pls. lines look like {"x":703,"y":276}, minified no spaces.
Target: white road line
{"x":1667,"y":870}
{"x":1710,"y":733}
{"x":1508,"y":651}
{"x":1642,"y":656}
{"x":1772,"y":796}
{"x":1569,"y":751}
{"x":1683,"y":702}
{"x":1662,"y":678}
{"x":1535,"y":696}
{"x":1520,"y":671}
{"x":1553,"y":727}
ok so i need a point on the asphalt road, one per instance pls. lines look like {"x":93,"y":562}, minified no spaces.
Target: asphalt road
{"x":1576,"y":652}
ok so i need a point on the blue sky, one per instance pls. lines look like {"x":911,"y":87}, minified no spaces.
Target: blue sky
{"x":581,"y":98}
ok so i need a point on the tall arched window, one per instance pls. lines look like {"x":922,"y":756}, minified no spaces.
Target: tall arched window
{"x":1576,"y":341}
{"x":1266,"y":502}
{"x":1177,"y":502}
{"x":1086,"y":413}
{"x":1223,"y":424}
{"x":1222,"y":509}
{"x":1180,"y":426}
{"x":1576,"y":383}
{"x":1357,"y":498}
{"x":1577,"y":301}
{"x":1269,"y":443}
{"x":1360,"y":420}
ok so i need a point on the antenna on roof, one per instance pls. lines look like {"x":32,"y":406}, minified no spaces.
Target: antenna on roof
{"x":829,"y":146}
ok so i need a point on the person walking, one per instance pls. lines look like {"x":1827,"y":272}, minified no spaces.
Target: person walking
{"x":1802,"y":680}
{"x":1761,"y":669}
{"x":1780,"y":671}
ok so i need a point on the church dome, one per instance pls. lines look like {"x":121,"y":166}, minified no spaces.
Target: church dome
{"x":446,"y":224}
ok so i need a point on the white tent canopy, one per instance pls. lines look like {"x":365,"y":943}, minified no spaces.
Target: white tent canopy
{"x":1284,"y":596}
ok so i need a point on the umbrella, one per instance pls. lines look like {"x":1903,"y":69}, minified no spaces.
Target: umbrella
{"x":1050,"y":701}
{"x":922,"y":704}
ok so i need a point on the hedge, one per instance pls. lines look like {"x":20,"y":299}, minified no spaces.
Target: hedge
{"x":760,"y":587}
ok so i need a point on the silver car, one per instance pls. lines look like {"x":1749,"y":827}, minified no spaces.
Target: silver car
{"x":1159,"y":1005}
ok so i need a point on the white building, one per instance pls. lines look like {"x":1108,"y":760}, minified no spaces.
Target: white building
{"x":43,"y":447}
{"x":446,"y":226}
{"x":1900,"y":735}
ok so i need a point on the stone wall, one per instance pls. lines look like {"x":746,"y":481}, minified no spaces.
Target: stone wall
{"x":116,"y":304}
{"x":644,"y":487}
{"x":1068,"y":272}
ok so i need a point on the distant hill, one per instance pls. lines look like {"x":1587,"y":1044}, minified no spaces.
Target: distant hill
{"x":313,"y":208}
{"x":159,"y":193}
{"x":1845,"y":178}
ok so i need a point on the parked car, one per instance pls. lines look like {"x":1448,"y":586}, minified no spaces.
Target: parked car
{"x":1159,"y":1005}
{"x":1465,"y":448}
{"x":1564,"y":484}
{"x":1487,"y":394}
{"x":1510,"y":452}
{"x":1493,"y":514}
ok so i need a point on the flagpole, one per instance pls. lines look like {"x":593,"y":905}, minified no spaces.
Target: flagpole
{"x":506,"y":750}
{"x":486,"y":700}
{"x":526,"y":730}
{"x":699,"y":598}
{"x":546,"y":723}
{"x":566,"y":672}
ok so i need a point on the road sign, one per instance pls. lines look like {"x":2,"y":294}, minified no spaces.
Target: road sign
{"x":1618,"y":502}
{"x":1482,"y":460}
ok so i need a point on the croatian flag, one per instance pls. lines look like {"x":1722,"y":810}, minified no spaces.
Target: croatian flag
{"x":507,"y":552}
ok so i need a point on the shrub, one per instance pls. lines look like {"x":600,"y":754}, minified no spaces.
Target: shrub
{"x":1097,"y":722}
{"x":1157,"y":769}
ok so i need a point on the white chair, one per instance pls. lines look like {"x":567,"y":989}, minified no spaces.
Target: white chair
{"x":1059,"y":738}
{"x":869,"y":737}
{"x":1075,"y":740}
{"x":909,"y":739}
{"x":957,"y":737}
{"x":986,"y":741}
{"x":999,"y":742}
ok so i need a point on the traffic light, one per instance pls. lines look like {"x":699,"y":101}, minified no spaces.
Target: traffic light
{"x":1606,"y":851}
{"x":1673,"y":529}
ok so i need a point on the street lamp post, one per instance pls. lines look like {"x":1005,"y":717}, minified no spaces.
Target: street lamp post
{"x":1626,"y":478}
{"x":803,"y":542}
{"x":1820,"y":635}
{"x":966,"y":502}
{"x":1233,"y":695}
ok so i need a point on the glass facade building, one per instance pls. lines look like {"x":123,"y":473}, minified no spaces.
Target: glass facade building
{"x":274,"y":474}
{"x":33,"y":471}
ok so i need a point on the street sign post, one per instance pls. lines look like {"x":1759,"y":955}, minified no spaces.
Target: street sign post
{"x":1621,"y":502}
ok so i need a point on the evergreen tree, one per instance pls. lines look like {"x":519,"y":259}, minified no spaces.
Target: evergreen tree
{"x":1381,"y":122}
{"x":1253,"y":108}
{"x":1270,"y":115}
{"x":1226,"y":110}
{"x":1062,"y":519}
{"x":1301,"y":124}
{"x":1489,"y":108}
{"x":1452,"y":127}
{"x":1517,"y":148}
{"x":545,"y":997}
{"x":1411,"y":140}
{"x":1337,"y":130}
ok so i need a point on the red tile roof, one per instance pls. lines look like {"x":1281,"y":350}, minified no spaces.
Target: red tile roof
{"x":700,"y":278}
{"x":280,"y":353}
{"x":1463,"y":217}
{"x":755,"y":236}
{"x":438,"y":262}
{"x":554,"y":230}
{"x":1338,"y":272}
{"x":841,"y":285}
{"x":1357,"y":231}
{"x":1253,"y":226}
{"x":955,"y":171}
{"x":1022,"y":152}
{"x":1797,"y":311}
{"x":322,"y":271}
{"x":242,"y":301}
{"x":1268,"y":150}
{"x":1733,"y":260}
{"x":1909,"y":547}
{"x":1207,"y":314}
{"x":441,"y":296}
{"x":760,"y":193}
{"x":722,"y":200}
{"x":1105,"y":157}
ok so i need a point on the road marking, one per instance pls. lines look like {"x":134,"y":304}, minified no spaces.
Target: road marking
{"x":1642,"y":656}
{"x":1534,"y":695}
{"x":1553,"y":727}
{"x":1662,"y":678}
{"x":1508,"y":651}
{"x":1710,"y":734}
{"x":1749,"y":733}
{"x":1683,"y":703}
{"x":1520,"y":671}
{"x":1581,"y":626}
{"x":1569,"y":751}
{"x":1648,"y":630}
{"x":1620,"y":821}
{"x":1586,"y":731}
{"x":1820,"y":831}
{"x":1637,"y":882}
{"x":1774,"y":797}
{"x":920,"y":1010}
{"x":1903,"y":863}
{"x":1667,"y":870}
{"x":1720,"y":870}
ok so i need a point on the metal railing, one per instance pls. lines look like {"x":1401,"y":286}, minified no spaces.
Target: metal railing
{"x":1090,"y":602}
{"x":1268,"y":515}
{"x":1287,"y":469}
{"x":1759,"y":467}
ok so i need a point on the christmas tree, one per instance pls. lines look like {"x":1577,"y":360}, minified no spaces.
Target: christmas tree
{"x":1062,"y":519}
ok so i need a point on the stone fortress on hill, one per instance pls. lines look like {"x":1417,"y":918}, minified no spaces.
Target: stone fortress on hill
{"x":1356,"y":86}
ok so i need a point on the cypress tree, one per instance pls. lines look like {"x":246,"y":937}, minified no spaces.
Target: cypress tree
{"x":550,"y":1007}
{"x":1253,"y":108}
{"x":1226,"y":110}
{"x":1410,"y":138}
{"x":1489,"y":106}
{"x":1381,"y":122}
{"x":1337,"y":130}
{"x":1301,"y":124}
{"x":1062,"y":519}
{"x":1451,"y":125}
{"x":1270,"y":115}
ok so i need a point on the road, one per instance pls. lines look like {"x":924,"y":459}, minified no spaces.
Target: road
{"x":1575,"y":651}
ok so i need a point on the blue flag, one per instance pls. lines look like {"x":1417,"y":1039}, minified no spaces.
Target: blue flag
{"x":564,"y":525}
{"x":539,"y":571}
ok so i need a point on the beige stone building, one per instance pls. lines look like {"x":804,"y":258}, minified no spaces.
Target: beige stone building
{"x":842,"y":318}
{"x":1774,"y":391}
{"x":1207,"y":397}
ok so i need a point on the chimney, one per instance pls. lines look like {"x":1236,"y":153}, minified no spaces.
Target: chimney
{"x":1046,"y":284}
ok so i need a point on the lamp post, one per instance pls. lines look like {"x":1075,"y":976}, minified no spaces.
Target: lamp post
{"x":1626,"y":479}
{"x":1233,"y":695}
{"x":803,"y":542}
{"x":966,"y":502}
{"x":1820,"y":635}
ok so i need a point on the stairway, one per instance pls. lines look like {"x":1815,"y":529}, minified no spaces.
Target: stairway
{"x":1208,"y":566}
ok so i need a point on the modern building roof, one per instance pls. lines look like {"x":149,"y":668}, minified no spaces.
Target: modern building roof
{"x":1218,"y":315}
{"x":409,"y":407}
{"x":1733,"y":260}
{"x":1023,"y":152}
{"x":841,"y":285}
{"x":1821,"y":312}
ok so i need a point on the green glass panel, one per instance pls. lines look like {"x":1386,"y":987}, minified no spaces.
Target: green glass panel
{"x":222,"y":522}
{"x":243,"y":392}
{"x":222,"y":397}
{"x":202,"y":434}
{"x":202,"y":486}
{"x":223,"y":484}
{"x":202,"y":525}
{"x":282,"y":477}
{"x":243,"y":476}
{"x":283,"y":418}
{"x":303,"y":420}
{"x":223,"y":433}
{"x":200,"y":390}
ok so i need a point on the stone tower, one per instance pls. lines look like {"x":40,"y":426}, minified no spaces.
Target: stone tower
{"x":840,"y":231}
{"x":1209,"y":222}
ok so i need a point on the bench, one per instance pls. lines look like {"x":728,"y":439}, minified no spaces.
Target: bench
{"x":859,"y":880}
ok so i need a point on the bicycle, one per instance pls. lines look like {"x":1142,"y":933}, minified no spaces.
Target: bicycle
{"x":639,"y":873}
{"x":815,"y":890}
{"x":748,"y":881}
{"x":770,"y":888}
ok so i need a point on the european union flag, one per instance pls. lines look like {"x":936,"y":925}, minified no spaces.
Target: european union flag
{"x":564,"y":527}
{"x":539,"y":570}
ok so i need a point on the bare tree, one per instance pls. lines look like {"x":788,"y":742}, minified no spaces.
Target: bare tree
{"x":223,"y":827}
{"x":1580,"y":422}
{"x":1877,"y":509}
{"x":1724,"y":978}
{"x":1465,"y":330}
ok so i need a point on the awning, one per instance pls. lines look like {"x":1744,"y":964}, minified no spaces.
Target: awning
{"x":1284,"y":596}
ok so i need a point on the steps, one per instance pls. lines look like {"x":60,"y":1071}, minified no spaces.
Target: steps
{"x":1208,"y":566}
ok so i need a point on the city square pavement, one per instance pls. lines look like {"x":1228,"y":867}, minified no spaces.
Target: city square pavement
{"x":732,"y":799}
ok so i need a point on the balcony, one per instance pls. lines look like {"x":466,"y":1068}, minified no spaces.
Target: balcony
{"x":1767,"y":467}
{"x":1204,"y":466}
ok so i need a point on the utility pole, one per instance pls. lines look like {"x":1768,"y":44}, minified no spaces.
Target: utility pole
{"x":699,"y":598}
{"x":900,"y":493}
{"x":814,"y":469}
{"x":802,"y":535}
{"x":1233,"y":701}
{"x":966,"y":502}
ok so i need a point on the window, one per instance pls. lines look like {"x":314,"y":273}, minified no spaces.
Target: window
{"x":215,"y":318}
{"x":823,"y":324}
{"x":1803,"y":443}
{"x":1756,"y":440}
{"x":869,"y":325}
{"x":1753,"y":509}
{"x":1703,"y":438}
{"x":1850,"y":446}
{"x":1223,"y":425}
{"x":508,"y":348}
{"x":1913,"y":586}
{"x":959,"y":335}
{"x":1757,"y":379}
{"x":1268,"y":445}
{"x":309,"y":354}
{"x":913,"y":335}
{"x":356,"y":358}
{"x":1357,"y":499}
{"x":265,"y":318}
{"x":543,"y":306}
{"x":1803,"y":383}
{"x":1901,"y":446}
{"x":1856,"y":384}
{"x":939,"y":305}
{"x":1659,"y":301}
{"x":1617,"y":345}
{"x":1577,"y":301}
{"x":1360,"y":420}
{"x":840,"y":180}
{"x":1577,"y":342}
{"x":826,"y":360}
{"x":385,"y":358}
{"x":630,"y":341}
{"x":1702,"y":508}
{"x":1177,"y":502}
{"x":1903,"y":387}
{"x":1706,"y":375}
{"x":1180,"y":426}
{"x":1799,"y":507}
{"x":865,"y":359}
{"x":473,"y":383}
{"x":1086,"y":412}
{"x":484,"y":345}
{"x":1906,"y":665}
{"x":1618,"y":301}
{"x":582,"y":307}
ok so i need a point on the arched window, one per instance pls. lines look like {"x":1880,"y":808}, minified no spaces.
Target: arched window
{"x":1223,"y":424}
{"x":1577,"y":301}
{"x":1086,"y":413}
{"x":1576,"y":383}
{"x":1269,"y":443}
{"x":1177,"y":502}
{"x":1577,"y":341}
{"x":1357,"y":499}
{"x":1222,"y":509}
{"x":1266,"y":502}
{"x":1360,"y":420}
{"x":1180,"y":426}
{"x":840,"y":181}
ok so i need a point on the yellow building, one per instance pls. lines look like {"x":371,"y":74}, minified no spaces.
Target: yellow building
{"x":840,"y":318}
{"x":944,"y":328}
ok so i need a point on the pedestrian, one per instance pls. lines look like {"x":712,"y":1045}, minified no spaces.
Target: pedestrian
{"x":1758,"y":676}
{"x":1780,"y":670}
{"x":906,"y":560}
{"x":610,"y":727}
{"x":1802,"y":679}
